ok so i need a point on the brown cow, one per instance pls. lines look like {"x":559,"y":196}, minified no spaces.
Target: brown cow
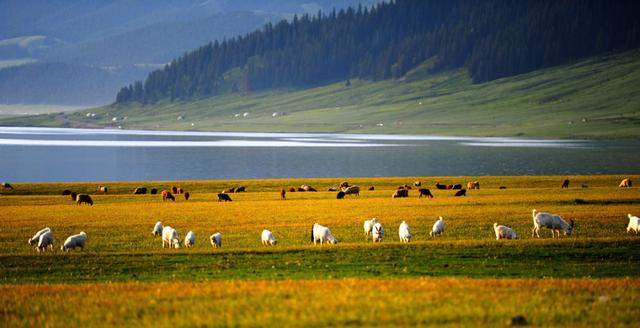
{"x":565,"y":184}
{"x":372,"y":188}
{"x":440,"y":186}
{"x":306,"y":188}
{"x":473,"y":185}
{"x":84,"y":199}
{"x":167,"y":195}
{"x":292,"y":189}
{"x":73,"y":196}
{"x":400,"y":193}
{"x":461,"y":192}
{"x":174,"y":189}
{"x":241,"y":189}
{"x":283,"y":194}
{"x":187,"y":195}
{"x":223,"y":197}
{"x":425,"y":192}
{"x":140,"y":191}
{"x":626,"y":183}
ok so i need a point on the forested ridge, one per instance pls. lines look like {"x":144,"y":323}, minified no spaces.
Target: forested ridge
{"x":491,"y":38}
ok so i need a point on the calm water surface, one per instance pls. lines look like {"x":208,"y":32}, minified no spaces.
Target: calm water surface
{"x":52,"y":154}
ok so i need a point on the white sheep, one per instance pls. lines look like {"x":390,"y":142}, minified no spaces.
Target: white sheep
{"x":438,"y":228}
{"x":190,"y":239}
{"x":170,"y":237}
{"x":634,"y":224}
{"x":368,"y":225}
{"x":550,"y":221}
{"x":45,"y":240}
{"x":157,"y":229}
{"x":216,"y":240}
{"x":74,"y":241}
{"x":504,"y":232}
{"x":34,"y":240}
{"x":377,"y":232}
{"x":404,"y":233}
{"x":267,"y":238}
{"x":320,"y":233}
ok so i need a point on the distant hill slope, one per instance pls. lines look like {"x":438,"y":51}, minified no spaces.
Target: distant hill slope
{"x":594,"y":98}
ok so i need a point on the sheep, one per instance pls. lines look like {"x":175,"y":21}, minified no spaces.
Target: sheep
{"x":34,"y":240}
{"x":438,"y":228}
{"x":74,"y":241}
{"x":404,"y":233}
{"x":103,"y":189}
{"x":283,"y":194}
{"x":425,"y":192}
{"x":190,"y":239}
{"x":461,"y":192}
{"x":84,"y":199}
{"x":216,"y":240}
{"x":400,"y":193}
{"x":565,"y":184}
{"x":368,"y":225}
{"x":551,"y":221}
{"x":140,"y":191}
{"x":634,"y":224}
{"x":320,"y":233}
{"x":170,"y":237}
{"x":626,"y":183}
{"x":187,"y":195}
{"x":377,"y":232}
{"x":504,"y":232}
{"x":157,"y":229}
{"x":167,"y":195}
{"x":340,"y":195}
{"x":268,"y":239}
{"x":223,"y":197}
{"x":45,"y":240}
{"x":473,"y":185}
{"x":351,"y":190}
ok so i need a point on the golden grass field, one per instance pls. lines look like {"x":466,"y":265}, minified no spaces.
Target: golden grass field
{"x":465,"y":277}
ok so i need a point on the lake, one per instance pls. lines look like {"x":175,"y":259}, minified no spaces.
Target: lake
{"x":60,"y":154}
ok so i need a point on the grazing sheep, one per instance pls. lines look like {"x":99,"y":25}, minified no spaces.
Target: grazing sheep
{"x":473,"y":185}
{"x":372,"y":188}
{"x":223,"y":197}
{"x":140,"y":191}
{"x":438,"y":228}
{"x":634,"y":224}
{"x":340,"y":195}
{"x":45,"y":240}
{"x":565,"y":184}
{"x":550,"y":221}
{"x":461,"y":192}
{"x":157,"y":229}
{"x":66,"y":192}
{"x":400,"y":193}
{"x":216,"y":240}
{"x":73,"y":196}
{"x":241,"y":189}
{"x":190,"y":239}
{"x":404,"y":233}
{"x":351,"y":190}
{"x":187,"y":195}
{"x":292,"y":189}
{"x":84,"y":199}
{"x":268,"y":239}
{"x":504,"y":232}
{"x":425,"y":192}
{"x":455,"y":186}
{"x":167,"y":195}
{"x":377,"y":232}
{"x":283,"y":194}
{"x":417,"y":183}
{"x":170,"y":237}
{"x":320,"y":233}
{"x":74,"y":241}
{"x":368,"y":225}
{"x":103,"y":189}
{"x":626,"y":183}
{"x":153,"y":191}
{"x":34,"y":240}
{"x":6,"y":185}
{"x":174,"y":189}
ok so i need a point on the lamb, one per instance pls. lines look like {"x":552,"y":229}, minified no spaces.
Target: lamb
{"x":368,"y":225}
{"x":157,"y":229}
{"x":84,"y":199}
{"x":190,"y":239}
{"x":34,"y":240}
{"x":170,"y":237}
{"x":216,"y":240}
{"x":320,"y":233}
{"x":404,"y":233}
{"x":45,"y":240}
{"x":74,"y":241}
{"x":267,"y":238}
{"x":634,"y":224}
{"x":551,"y":221}
{"x":438,"y":228}
{"x":377,"y":232}
{"x":504,"y":232}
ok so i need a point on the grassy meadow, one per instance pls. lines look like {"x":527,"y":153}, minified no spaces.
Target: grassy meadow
{"x":465,"y":277}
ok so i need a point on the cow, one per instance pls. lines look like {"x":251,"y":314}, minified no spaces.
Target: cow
{"x":372,"y":188}
{"x":565,"y":184}
{"x":223,"y":197}
{"x":6,"y":185}
{"x":351,"y":190}
{"x":283,"y":194}
{"x":626,"y":183}
{"x":425,"y":192}
{"x":187,"y":195}
{"x":154,"y":191}
{"x":84,"y":199}
{"x":103,"y":189}
{"x":455,"y":186}
{"x":417,"y":183}
{"x":340,"y":195}
{"x":440,"y":186}
{"x":400,"y":193}
{"x":461,"y":192}
{"x":292,"y":189}
{"x":66,"y":192}
{"x":73,"y":196}
{"x":473,"y":185}
{"x":180,"y":191}
{"x":241,"y":189}
{"x":140,"y":191}
{"x":174,"y":189}
{"x":167,"y":195}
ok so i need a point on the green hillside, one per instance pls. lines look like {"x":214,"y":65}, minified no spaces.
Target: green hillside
{"x":594,"y":98}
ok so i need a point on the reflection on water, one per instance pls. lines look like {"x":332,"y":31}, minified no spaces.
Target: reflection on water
{"x":53,"y":154}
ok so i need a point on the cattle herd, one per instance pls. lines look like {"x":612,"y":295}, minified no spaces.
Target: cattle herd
{"x":373,"y":228}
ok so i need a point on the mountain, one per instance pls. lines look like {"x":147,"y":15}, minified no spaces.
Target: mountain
{"x":595,"y":97}
{"x":491,"y":38}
